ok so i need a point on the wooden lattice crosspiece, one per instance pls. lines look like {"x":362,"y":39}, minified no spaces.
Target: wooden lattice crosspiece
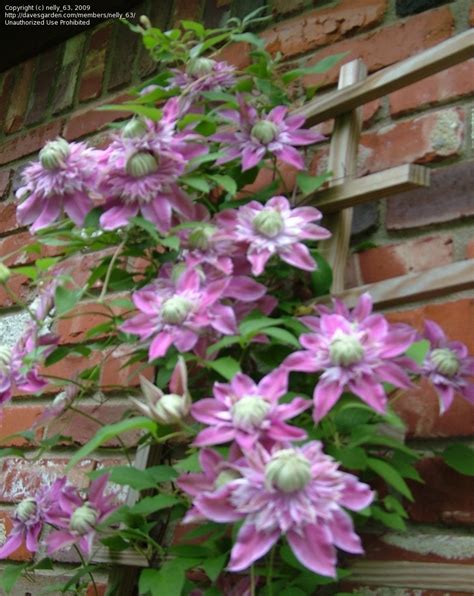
{"x":346,"y":192}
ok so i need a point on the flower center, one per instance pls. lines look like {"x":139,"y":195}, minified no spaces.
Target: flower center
{"x":264,"y":131}
{"x":5,"y":357}
{"x":175,"y":310}
{"x":200,"y":67}
{"x":225,"y":477}
{"x":54,"y":154}
{"x":249,"y":412}
{"x":199,"y":238}
{"x":445,"y":361}
{"x":141,"y":164}
{"x":268,"y":222}
{"x":83,"y":519}
{"x":288,"y":471}
{"x":26,"y":509}
{"x":345,"y":350}
{"x":133,"y":129}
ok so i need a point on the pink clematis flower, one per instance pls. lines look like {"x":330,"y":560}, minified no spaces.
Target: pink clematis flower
{"x":357,"y":353}
{"x":274,"y":228}
{"x":177,"y":313}
{"x":259,"y":136}
{"x":63,"y":180}
{"x":203,"y":74}
{"x":296,"y":492}
{"x":448,"y":366}
{"x":246,"y":412}
{"x":77,"y":518}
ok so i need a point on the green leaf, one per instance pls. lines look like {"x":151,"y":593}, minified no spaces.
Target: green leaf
{"x":146,"y":225}
{"x":196,"y":182}
{"x":171,"y":242}
{"x":282,"y":335}
{"x":393,"y":504}
{"x":213,"y":567}
{"x":309,"y":184}
{"x":11,"y":451}
{"x":391,"y":519}
{"x":460,"y":458}
{"x":27,"y":271}
{"x":109,"y":432}
{"x":168,"y":580}
{"x":148,"y":112}
{"x":65,"y":299}
{"x":10,"y":575}
{"x":137,"y":479}
{"x":255,"y":322}
{"x":418,"y":351}
{"x":46,"y":263}
{"x":189,"y":463}
{"x":321,"y":278}
{"x":250,"y":38}
{"x":151,"y":504}
{"x":319,"y":68}
{"x":390,"y":475}
{"x":227,"y":367}
{"x":227,"y":183}
{"x":228,"y":340}
{"x":353,"y":458}
{"x":197,"y":28}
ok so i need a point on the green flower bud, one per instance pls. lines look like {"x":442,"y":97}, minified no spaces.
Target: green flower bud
{"x":288,"y":471}
{"x":134,"y":128}
{"x":5,"y":273}
{"x":445,"y":361}
{"x":225,"y":477}
{"x":199,"y":238}
{"x":83,"y":519}
{"x":345,"y":350}
{"x":264,"y":131}
{"x":269,"y":222}
{"x":26,"y":509}
{"x":171,"y":408}
{"x":145,"y":22}
{"x":250,"y":411}
{"x":54,"y":153}
{"x":5,"y":357}
{"x":175,"y":310}
{"x":200,"y":67}
{"x":141,"y":164}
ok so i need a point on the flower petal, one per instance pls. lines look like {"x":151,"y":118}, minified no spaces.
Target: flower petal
{"x":250,"y":545}
{"x":313,"y":548}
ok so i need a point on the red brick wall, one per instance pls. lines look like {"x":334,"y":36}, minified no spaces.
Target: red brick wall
{"x":429,"y":123}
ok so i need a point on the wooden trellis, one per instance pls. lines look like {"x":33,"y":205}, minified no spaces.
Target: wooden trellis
{"x":344,"y":104}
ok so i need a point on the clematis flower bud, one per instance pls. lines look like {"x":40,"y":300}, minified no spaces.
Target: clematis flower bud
{"x":226,"y":476}
{"x":5,"y":358}
{"x":145,"y":22}
{"x":168,"y":408}
{"x":264,"y":131}
{"x":175,"y":310}
{"x":268,"y":222}
{"x":134,"y":128}
{"x":345,"y":350}
{"x":199,"y":238}
{"x":54,"y":153}
{"x":5,"y":273}
{"x":249,"y":412}
{"x":141,"y":164}
{"x":26,"y":510}
{"x":83,"y":519}
{"x":445,"y":361}
{"x":199,"y":67}
{"x":288,"y":471}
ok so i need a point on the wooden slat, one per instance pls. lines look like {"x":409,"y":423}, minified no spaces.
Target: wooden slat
{"x":438,"y":281}
{"x":369,"y":188}
{"x":447,"y":53}
{"x":406,"y":574}
{"x":343,"y":164}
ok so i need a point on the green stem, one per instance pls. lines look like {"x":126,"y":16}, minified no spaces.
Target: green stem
{"x":109,"y":270}
{"x":252,"y":581}
{"x":89,"y":573}
{"x":270,"y":572}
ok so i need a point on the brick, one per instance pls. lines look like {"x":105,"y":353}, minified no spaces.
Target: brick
{"x":67,"y":368}
{"x":8,"y":222}
{"x":382,"y":47}
{"x":29,"y":142}
{"x":68,"y":73}
{"x":471,"y":16}
{"x":470,"y":249}
{"x":365,"y":218}
{"x":91,"y":120}
{"x":83,"y":317}
{"x":448,"y":85}
{"x":122,"y":56}
{"x":446,"y":496}
{"x":19,"y":286}
{"x":419,"y":406}
{"x":46,"y":73}
{"x":322,"y":27}
{"x":90,"y":85}
{"x":369,"y":110}
{"x":21,"y":91}
{"x":4,"y":182}
{"x":424,"y":139}
{"x":6,"y":525}
{"x":215,"y":13}
{"x":117,"y":374}
{"x":283,"y":7}
{"x":190,"y":10}
{"x":407,"y":7}
{"x":17,"y":419}
{"x":22,"y":478}
{"x":82,"y":429}
{"x":14,"y":244}
{"x":422,"y":207}
{"x":7,"y":83}
{"x":384,"y":262}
